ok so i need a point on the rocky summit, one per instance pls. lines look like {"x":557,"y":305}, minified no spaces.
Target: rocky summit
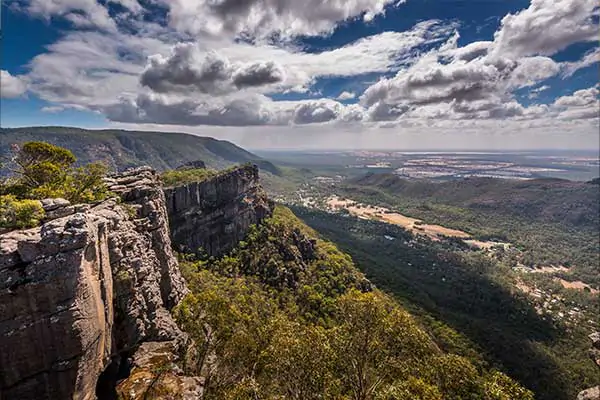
{"x":88,"y":293}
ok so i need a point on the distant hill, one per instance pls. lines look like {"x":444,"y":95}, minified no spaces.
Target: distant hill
{"x":123,"y":149}
{"x":547,"y":200}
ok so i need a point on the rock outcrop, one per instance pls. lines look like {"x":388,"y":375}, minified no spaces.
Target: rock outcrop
{"x":214,"y":215}
{"x":91,"y":283}
{"x":595,"y":350}
{"x":156,"y":375}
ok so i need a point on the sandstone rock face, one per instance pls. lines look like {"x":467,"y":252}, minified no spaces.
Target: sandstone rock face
{"x":216,"y":214}
{"x":155,"y":375}
{"x":589,"y":394}
{"x":90,"y":283}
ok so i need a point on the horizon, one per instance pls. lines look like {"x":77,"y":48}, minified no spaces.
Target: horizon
{"x":592,"y":149}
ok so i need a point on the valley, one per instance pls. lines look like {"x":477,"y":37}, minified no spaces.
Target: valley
{"x":533,"y":239}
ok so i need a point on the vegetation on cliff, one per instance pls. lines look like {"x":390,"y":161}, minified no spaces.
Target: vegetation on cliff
{"x":39,"y":170}
{"x":287,"y":315}
{"x":177,"y":177}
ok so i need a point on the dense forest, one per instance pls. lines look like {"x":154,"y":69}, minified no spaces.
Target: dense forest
{"x":453,"y":289}
{"x":288,"y":315}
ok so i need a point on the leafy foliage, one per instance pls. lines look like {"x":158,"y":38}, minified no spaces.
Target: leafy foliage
{"x":19,"y":214}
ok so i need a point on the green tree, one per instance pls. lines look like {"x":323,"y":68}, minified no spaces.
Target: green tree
{"x":377,"y":343}
{"x":44,"y":170}
{"x":301,"y":366}
{"x":40,"y":163}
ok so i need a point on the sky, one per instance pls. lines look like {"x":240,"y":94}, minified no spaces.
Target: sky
{"x":292,"y":74}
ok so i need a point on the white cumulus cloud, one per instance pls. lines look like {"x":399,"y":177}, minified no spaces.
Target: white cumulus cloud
{"x":11,"y":86}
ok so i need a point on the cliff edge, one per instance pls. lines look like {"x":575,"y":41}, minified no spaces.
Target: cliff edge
{"x":215,"y":214}
{"x":90,"y":284}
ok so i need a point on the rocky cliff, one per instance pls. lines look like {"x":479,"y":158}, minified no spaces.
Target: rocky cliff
{"x":89,"y":285}
{"x":214,"y":215}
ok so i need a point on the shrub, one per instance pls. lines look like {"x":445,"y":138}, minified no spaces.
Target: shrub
{"x":19,"y":214}
{"x":181,"y":177}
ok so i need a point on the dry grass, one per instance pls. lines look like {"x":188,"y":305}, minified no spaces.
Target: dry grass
{"x":577,"y":285}
{"x":435,"y":232}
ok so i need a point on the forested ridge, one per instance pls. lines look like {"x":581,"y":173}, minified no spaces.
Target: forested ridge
{"x":288,"y":315}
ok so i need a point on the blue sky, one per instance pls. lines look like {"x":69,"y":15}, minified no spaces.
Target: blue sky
{"x":282,"y":73}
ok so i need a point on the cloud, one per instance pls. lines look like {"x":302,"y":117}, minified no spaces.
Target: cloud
{"x":590,"y":58}
{"x":246,"y":110}
{"x":470,"y":51}
{"x":316,"y":112}
{"x":466,"y":82}
{"x":582,"y":104}
{"x":11,"y":86}
{"x":52,"y":109}
{"x":96,"y":68}
{"x":81,"y":13}
{"x":92,"y":68}
{"x":546,"y":27}
{"x":187,"y":68}
{"x":431,"y":82}
{"x":372,"y":54}
{"x":161,"y":109}
{"x":580,"y":98}
{"x":346,"y":95}
{"x":257,"y":74}
{"x":534,"y":93}
{"x":531,"y":70}
{"x":263,"y":18}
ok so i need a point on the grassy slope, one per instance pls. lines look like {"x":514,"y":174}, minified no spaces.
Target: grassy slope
{"x":122,"y":149}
